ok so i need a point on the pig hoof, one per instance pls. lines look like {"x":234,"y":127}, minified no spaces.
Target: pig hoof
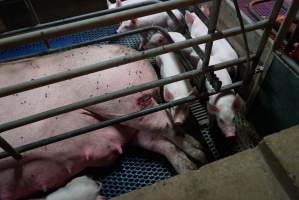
{"x":182,"y":164}
{"x":193,"y":141}
{"x":194,"y":153}
{"x":198,"y":155}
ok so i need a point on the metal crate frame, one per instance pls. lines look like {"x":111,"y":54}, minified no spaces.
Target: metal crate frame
{"x":112,"y":17}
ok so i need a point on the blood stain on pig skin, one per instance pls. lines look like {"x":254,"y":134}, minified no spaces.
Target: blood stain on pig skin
{"x":145,"y":101}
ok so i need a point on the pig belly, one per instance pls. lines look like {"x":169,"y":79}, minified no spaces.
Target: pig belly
{"x":51,"y":166}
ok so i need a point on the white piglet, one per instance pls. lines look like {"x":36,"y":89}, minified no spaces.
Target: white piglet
{"x":221,"y":48}
{"x":159,"y":19}
{"x":170,"y":66}
{"x":158,"y":39}
{"x":222,"y":105}
{"x":78,"y":189}
{"x":119,"y":3}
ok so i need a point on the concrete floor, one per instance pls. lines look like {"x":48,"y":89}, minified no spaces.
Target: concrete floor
{"x":269,"y":171}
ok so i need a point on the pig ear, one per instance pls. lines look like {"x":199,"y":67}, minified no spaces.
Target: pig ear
{"x":238,"y":103}
{"x":189,"y":18}
{"x":167,"y":95}
{"x":212,"y":109}
{"x":118,"y":3}
{"x":133,"y":22}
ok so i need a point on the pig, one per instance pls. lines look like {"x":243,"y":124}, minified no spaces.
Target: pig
{"x":222,"y":105}
{"x":159,"y":19}
{"x":158,"y":39}
{"x":197,"y":28}
{"x":99,"y":148}
{"x":169,"y":66}
{"x":79,"y":188}
{"x":119,"y":3}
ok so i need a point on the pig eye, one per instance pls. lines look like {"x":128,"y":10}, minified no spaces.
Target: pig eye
{"x":221,"y":121}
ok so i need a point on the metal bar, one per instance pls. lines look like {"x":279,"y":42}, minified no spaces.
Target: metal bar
{"x":264,"y":39}
{"x":5,"y":91}
{"x":256,"y":87}
{"x":243,"y":32}
{"x":113,"y":95}
{"x":186,"y":63}
{"x":94,"y":22}
{"x":290,"y":16}
{"x":208,"y":49}
{"x":33,"y":12}
{"x":9,"y":149}
{"x":117,"y":120}
{"x":291,"y":63}
{"x":77,"y":18}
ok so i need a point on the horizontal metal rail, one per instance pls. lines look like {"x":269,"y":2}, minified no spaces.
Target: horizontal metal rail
{"x":117,"y":120}
{"x":76,"y":18}
{"x":95,"y":22}
{"x":113,"y":95}
{"x":39,"y":82}
{"x":9,"y":149}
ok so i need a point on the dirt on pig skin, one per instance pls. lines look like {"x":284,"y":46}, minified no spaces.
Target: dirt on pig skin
{"x":51,"y":166}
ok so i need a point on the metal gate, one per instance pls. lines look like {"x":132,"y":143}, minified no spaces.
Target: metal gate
{"x":46,"y":35}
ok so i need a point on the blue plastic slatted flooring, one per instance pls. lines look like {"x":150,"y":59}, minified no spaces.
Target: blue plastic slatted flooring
{"x":66,"y":41}
{"x":136,"y":169}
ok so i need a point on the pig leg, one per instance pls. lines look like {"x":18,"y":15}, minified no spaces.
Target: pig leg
{"x":159,"y":144}
{"x":190,"y":146}
{"x":143,"y":40}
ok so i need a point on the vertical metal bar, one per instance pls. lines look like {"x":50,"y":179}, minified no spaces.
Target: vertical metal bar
{"x":243,"y":32}
{"x":33,"y":13}
{"x":291,"y":14}
{"x":211,"y":77}
{"x":249,"y":72}
{"x":9,"y":149}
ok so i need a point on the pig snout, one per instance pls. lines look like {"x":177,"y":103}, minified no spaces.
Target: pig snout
{"x":180,"y":115}
{"x":229,"y":132}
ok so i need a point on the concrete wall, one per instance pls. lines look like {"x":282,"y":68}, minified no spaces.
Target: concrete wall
{"x":268,"y":172}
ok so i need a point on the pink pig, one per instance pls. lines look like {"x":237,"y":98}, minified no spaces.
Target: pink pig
{"x":51,"y":166}
{"x":222,"y":105}
{"x":159,"y":19}
{"x":119,"y":3}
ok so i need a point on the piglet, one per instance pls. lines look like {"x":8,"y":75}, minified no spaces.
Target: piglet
{"x":119,"y":3}
{"x":158,"y":39}
{"x":222,"y":105}
{"x":197,"y":28}
{"x":170,"y":66}
{"x":78,"y":189}
{"x":160,"y":19}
